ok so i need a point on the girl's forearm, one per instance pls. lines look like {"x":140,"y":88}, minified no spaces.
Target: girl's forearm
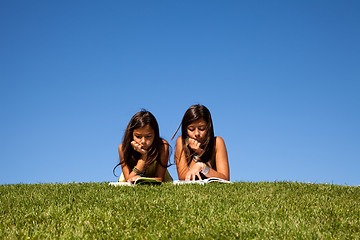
{"x":140,"y":165}
{"x":182,"y":173}
{"x":213,"y":173}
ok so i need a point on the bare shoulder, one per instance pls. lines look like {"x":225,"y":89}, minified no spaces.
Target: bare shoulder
{"x":179,"y":142}
{"x":220,"y":144}
{"x":120,"y":147}
{"x":220,"y":140}
{"x":165,"y":144}
{"x":121,"y":153}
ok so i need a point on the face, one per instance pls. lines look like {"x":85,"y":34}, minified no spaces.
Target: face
{"x":197,"y":130}
{"x":144,"y":136}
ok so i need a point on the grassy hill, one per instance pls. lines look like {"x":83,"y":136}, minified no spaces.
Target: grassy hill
{"x":242,"y":210}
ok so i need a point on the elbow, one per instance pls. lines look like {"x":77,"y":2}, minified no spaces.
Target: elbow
{"x":181,"y":176}
{"x":226,"y":177}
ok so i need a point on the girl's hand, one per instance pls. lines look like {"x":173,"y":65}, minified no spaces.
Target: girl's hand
{"x":133,"y":179}
{"x":138,"y":147}
{"x":194,"y":145}
{"x":193,"y":172}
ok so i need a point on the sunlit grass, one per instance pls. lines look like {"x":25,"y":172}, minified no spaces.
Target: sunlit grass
{"x":221,"y":211}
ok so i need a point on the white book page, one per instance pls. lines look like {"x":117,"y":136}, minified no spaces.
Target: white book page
{"x":208,"y":180}
{"x":120,"y":184}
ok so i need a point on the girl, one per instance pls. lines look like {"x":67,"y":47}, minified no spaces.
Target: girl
{"x":198,"y":153}
{"x":143,"y":153}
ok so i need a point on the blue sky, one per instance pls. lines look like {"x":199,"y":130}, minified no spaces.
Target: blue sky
{"x":281,"y":79}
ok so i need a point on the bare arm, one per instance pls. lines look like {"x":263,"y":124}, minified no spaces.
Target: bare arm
{"x":129,"y":175}
{"x":222,"y":164}
{"x":182,"y":167}
{"x":180,"y":160}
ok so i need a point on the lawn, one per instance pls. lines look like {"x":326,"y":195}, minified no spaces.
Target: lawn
{"x":243,"y":210}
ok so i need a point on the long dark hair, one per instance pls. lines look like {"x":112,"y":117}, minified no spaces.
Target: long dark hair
{"x":139,"y":120}
{"x":195,"y":113}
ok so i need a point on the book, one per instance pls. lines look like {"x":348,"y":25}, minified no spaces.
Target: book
{"x":204,"y":181}
{"x":139,"y":181}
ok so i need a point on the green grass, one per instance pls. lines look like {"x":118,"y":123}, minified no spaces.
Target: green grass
{"x":242,"y":210}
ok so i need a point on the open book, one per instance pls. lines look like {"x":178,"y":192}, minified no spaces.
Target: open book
{"x":139,"y":181}
{"x":204,"y":181}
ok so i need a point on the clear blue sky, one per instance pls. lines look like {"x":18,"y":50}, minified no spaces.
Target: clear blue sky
{"x":281,"y":79}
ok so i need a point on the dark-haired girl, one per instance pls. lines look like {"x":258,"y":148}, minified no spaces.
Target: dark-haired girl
{"x":199,"y":154}
{"x":143,"y":153}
